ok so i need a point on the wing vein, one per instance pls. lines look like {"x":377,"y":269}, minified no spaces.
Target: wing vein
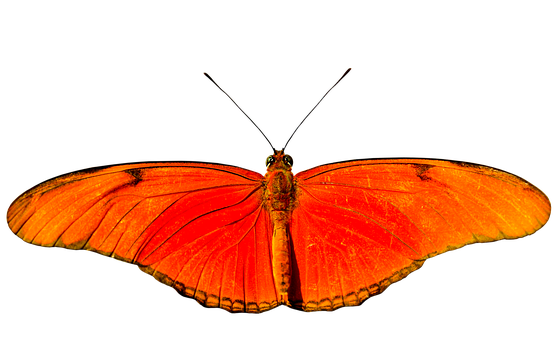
{"x":196,"y":218}
{"x":363,"y":215}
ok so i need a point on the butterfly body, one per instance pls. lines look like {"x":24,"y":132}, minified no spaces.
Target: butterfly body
{"x":279,"y":202}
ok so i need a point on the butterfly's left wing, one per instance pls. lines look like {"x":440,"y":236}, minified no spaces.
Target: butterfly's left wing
{"x":359,"y":226}
{"x":198,"y":227}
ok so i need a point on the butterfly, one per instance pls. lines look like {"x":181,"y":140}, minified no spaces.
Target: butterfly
{"x":324,"y":238}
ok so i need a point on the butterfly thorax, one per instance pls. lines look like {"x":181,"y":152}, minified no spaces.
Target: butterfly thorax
{"x":279,"y":181}
{"x":279,"y":198}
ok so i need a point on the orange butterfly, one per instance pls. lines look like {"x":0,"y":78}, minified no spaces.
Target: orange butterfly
{"x":325,"y":238}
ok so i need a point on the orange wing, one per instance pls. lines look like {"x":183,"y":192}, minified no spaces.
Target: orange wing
{"x":197,"y":227}
{"x":361,"y":225}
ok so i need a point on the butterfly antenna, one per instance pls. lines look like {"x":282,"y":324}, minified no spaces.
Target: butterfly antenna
{"x":212,"y":80}
{"x":344,"y":75}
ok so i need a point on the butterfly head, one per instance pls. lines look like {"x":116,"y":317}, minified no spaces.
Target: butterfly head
{"x":279,"y":161}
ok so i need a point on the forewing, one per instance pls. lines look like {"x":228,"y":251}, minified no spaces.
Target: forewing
{"x":359,"y":226}
{"x":197,"y":227}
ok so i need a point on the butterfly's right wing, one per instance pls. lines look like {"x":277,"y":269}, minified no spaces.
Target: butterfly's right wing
{"x":198,"y":227}
{"x":359,"y":226}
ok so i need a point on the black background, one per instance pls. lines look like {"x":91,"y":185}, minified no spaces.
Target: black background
{"x":80,"y":109}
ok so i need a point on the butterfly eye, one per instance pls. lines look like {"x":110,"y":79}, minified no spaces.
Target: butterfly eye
{"x":288,"y":160}
{"x":269,"y":160}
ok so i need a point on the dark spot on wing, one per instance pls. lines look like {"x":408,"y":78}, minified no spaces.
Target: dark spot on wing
{"x":137,"y":174}
{"x":136,"y":177}
{"x":421,"y":170}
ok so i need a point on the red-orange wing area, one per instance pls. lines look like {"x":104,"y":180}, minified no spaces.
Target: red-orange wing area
{"x":359,"y":226}
{"x":200,"y":228}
